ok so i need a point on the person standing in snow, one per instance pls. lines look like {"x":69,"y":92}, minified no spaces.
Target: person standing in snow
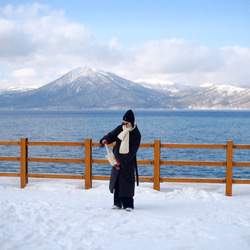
{"x":122,"y":181}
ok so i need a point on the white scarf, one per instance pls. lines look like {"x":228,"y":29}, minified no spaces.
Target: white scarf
{"x":124,"y":137}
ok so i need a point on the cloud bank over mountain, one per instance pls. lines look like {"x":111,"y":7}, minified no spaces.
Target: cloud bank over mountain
{"x":39,"y":44}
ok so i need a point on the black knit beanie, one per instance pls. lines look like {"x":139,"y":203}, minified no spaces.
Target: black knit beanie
{"x":129,"y":117}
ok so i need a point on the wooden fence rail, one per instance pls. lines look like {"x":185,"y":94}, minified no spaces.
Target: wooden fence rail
{"x":156,"y":162}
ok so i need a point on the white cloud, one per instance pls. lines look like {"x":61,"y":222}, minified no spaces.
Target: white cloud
{"x":189,"y":63}
{"x":177,"y":56}
{"x":39,"y":44}
{"x":25,"y":76}
{"x":24,"y":73}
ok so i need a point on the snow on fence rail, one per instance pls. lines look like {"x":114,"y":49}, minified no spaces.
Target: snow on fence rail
{"x":156,"y":161}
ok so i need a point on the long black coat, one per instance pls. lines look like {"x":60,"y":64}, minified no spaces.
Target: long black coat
{"x":128,"y":163}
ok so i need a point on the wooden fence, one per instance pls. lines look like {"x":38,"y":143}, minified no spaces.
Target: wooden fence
{"x":156,"y":161}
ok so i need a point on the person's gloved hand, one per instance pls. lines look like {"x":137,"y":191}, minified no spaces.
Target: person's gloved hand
{"x":102,"y":143}
{"x":116,"y":166}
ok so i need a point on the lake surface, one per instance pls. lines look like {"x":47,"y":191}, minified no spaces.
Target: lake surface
{"x":202,"y":127}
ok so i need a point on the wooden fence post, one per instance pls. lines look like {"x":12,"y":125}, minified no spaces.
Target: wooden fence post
{"x":157,"y":159}
{"x":23,"y":162}
{"x":229,"y":171}
{"x":88,"y":163}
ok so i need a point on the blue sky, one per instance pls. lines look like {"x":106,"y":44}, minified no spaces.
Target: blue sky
{"x":213,"y":23}
{"x":190,"y":42}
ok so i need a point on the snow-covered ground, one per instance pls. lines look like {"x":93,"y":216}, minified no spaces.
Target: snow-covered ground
{"x":61,"y":214}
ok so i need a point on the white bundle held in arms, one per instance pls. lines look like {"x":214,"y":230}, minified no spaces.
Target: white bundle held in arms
{"x":110,"y":156}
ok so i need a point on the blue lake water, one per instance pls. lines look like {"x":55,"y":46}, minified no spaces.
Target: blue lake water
{"x":202,"y":127}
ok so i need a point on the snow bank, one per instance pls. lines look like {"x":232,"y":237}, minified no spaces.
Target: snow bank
{"x":61,"y":214}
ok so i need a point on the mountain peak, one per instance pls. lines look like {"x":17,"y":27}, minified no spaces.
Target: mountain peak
{"x":155,"y":82}
{"x":230,"y":89}
{"x":81,"y":71}
{"x":78,"y":72}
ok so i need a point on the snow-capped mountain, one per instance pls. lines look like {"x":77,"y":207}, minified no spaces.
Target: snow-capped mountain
{"x":219,"y":97}
{"x":173,"y":89}
{"x":204,"y":97}
{"x":14,"y":90}
{"x":86,"y":88}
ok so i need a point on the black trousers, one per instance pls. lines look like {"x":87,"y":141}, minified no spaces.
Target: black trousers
{"x":122,"y":201}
